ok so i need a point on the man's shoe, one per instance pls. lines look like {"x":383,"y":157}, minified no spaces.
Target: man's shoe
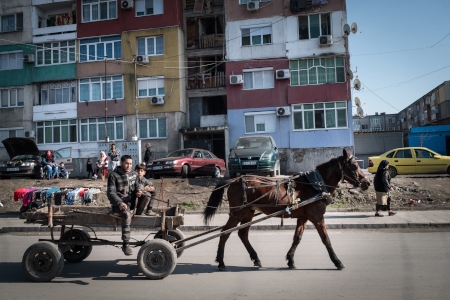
{"x":127,"y":250}
{"x":149,"y":212}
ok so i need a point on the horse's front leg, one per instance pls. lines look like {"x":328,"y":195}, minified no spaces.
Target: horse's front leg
{"x":232,"y":222}
{"x":301,"y":224}
{"x":243,"y":235}
{"x":322,"y":230}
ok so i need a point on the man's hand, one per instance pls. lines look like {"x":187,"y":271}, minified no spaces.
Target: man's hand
{"x":122,"y":206}
{"x":138,"y":193}
{"x":149,"y":188}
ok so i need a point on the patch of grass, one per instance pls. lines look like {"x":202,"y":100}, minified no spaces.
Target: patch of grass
{"x":189,"y":205}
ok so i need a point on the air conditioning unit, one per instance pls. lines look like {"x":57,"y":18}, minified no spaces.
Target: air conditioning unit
{"x":283,"y":111}
{"x":252,"y":5}
{"x":142,"y":60}
{"x":157,"y":100}
{"x":325,"y":40}
{"x":283,"y":74}
{"x":30,"y":134}
{"x":28,"y":58}
{"x":236,"y":79}
{"x":126,"y":4}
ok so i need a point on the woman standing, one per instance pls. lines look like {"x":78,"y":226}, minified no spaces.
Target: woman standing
{"x":382,"y":184}
{"x":102,"y":166}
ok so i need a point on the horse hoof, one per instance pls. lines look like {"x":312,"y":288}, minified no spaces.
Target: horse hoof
{"x":257,"y":264}
{"x":340,"y":266}
{"x":222,"y":268}
{"x":293,"y":266}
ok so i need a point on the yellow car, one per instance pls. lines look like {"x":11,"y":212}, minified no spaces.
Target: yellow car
{"x":412,"y":160}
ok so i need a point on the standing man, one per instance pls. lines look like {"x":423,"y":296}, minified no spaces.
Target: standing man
{"x":120,"y":191}
{"x":114,"y":153}
{"x":148,"y":156}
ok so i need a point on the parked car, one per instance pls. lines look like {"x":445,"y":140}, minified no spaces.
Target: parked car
{"x":187,"y":162}
{"x":254,"y":154}
{"x":412,"y":160}
{"x":25,"y":159}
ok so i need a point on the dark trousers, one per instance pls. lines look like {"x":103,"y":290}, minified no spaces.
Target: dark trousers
{"x":144,"y":202}
{"x":126,"y":221}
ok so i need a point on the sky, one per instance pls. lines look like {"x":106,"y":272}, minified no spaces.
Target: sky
{"x":400,"y":52}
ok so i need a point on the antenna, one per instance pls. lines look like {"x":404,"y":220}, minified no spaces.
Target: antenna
{"x":354,"y":28}
{"x":357,"y":101}
{"x":350,"y":74}
{"x":357,"y":84}
{"x":360,"y":112}
{"x":346,"y":30}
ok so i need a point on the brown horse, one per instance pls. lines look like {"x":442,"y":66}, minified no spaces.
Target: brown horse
{"x":249,"y":193}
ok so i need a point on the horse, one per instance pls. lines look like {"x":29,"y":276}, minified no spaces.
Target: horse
{"x":248,"y":193}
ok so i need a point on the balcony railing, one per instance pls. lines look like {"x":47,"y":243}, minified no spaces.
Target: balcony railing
{"x":207,"y":41}
{"x":206,"y":80}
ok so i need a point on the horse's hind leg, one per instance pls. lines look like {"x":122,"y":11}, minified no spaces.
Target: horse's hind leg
{"x":301,"y":224}
{"x":322,"y":230}
{"x":232,"y":222}
{"x":243,"y":235}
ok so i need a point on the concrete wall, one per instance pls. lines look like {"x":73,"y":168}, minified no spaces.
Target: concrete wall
{"x":375,"y":143}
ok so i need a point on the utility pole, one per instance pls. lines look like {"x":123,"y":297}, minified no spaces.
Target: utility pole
{"x":106,"y":105}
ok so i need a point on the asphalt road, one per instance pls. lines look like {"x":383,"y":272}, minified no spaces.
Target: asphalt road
{"x":380,"y":264}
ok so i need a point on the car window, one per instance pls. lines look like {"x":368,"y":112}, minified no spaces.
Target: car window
{"x":254,"y":142}
{"x":180,"y":153}
{"x":423,"y":154}
{"x":403,"y":154}
{"x":390,"y":155}
{"x":207,"y":155}
{"x":198,"y":154}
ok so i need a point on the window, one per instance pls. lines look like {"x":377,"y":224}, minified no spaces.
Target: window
{"x":365,"y":126}
{"x":149,"y":7}
{"x":403,"y":154}
{"x":260,"y":122}
{"x":258,"y":79}
{"x":99,"y":48}
{"x":317,"y":71}
{"x":55,"y":53}
{"x":391,"y":120}
{"x":152,"y":128}
{"x":375,"y":120}
{"x":326,"y":115}
{"x":151,"y":46}
{"x":256,"y":35}
{"x":58,"y":92}
{"x":11,"y":60}
{"x":10,"y":132}
{"x":93,"y":89}
{"x":61,"y":131}
{"x":94,"y":10}
{"x":93,"y":129}
{"x":11,"y":97}
{"x":151,"y":86}
{"x":12,"y":22}
{"x":313,"y":26}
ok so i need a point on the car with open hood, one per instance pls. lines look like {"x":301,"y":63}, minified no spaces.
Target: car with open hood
{"x":26,"y":159}
{"x":187,"y":162}
{"x":255,"y":155}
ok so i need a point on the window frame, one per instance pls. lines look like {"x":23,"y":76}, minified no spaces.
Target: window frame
{"x":5,"y":57}
{"x":92,"y":128}
{"x":319,"y":116}
{"x":142,"y":3}
{"x":255,"y":31}
{"x":145,"y":51}
{"x":101,"y":44}
{"x":92,"y":3}
{"x":157,"y":80}
{"x":319,"y":31}
{"x":317,"y":71}
{"x":160,"y":132}
{"x":59,"y":90}
{"x":265,"y":73}
{"x":112,"y":81}
{"x":265,"y":118}
{"x":19,"y":93}
{"x":52,"y":131}
{"x":18,"y":22}
{"x":56,"y":49}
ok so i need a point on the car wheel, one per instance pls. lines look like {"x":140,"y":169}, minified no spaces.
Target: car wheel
{"x":39,"y":173}
{"x":185,"y":171}
{"x":216,"y":172}
{"x":392,"y":171}
{"x":448,"y":171}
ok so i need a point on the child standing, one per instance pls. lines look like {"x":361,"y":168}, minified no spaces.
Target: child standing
{"x":89,"y":168}
{"x":145,"y":192}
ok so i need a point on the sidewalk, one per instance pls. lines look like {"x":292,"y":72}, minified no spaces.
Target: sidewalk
{"x":334,"y":220}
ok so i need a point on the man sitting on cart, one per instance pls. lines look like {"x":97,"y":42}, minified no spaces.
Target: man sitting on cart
{"x":121,"y":190}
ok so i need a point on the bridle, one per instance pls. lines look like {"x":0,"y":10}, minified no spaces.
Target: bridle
{"x":352,"y":168}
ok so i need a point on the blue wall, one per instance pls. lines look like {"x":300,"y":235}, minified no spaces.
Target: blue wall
{"x":433,"y":137}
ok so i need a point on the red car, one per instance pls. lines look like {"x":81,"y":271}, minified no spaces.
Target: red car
{"x":187,"y":162}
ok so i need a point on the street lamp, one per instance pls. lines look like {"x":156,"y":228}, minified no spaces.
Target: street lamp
{"x":106,"y":105}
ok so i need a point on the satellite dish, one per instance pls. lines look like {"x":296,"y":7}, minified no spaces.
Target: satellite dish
{"x":350,"y":74}
{"x":354,"y":27}
{"x":346,"y":30}
{"x":357,"y":84}
{"x":360,"y":112}
{"x":357,"y":102}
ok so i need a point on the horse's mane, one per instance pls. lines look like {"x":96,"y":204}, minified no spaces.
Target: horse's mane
{"x":331,"y":163}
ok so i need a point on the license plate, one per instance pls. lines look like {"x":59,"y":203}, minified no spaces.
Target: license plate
{"x":157,"y":168}
{"x":12,"y":169}
{"x":249,"y":163}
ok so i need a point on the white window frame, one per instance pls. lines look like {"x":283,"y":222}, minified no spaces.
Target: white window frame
{"x":260,"y":122}
{"x":317,"y":71}
{"x":252,"y":35}
{"x":56,"y":52}
{"x":6,"y":26}
{"x":96,"y":87}
{"x":150,"y":86}
{"x":319,"y":116}
{"x":261,"y":78}
{"x":56,"y":131}
{"x":92,"y":7}
{"x":153,"y":128}
{"x":11,"y":132}
{"x":58,"y":92}
{"x":143,"y":5}
{"x":11,"y":60}
{"x":93,"y":129}
{"x":100,"y":48}
{"x":321,"y":30}
{"x":12,"y":97}
{"x":144,"y":49}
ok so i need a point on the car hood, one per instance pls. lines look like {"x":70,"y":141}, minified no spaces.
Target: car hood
{"x":20,"y":146}
{"x":248,"y":152}
{"x":162,"y":160}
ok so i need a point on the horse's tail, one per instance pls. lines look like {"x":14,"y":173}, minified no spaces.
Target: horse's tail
{"x":214,"y":201}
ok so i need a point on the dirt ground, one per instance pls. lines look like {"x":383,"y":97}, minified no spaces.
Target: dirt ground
{"x":411,"y":192}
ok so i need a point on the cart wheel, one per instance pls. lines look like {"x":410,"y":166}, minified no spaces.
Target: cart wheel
{"x":173,"y":235}
{"x":42,"y":261}
{"x":157,"y":259}
{"x":76,"y":253}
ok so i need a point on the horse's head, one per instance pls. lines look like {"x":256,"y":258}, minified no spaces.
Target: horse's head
{"x":352,"y":172}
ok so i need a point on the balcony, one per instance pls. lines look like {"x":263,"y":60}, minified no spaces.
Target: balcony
{"x":55,"y":33}
{"x":213,"y":120}
{"x":206,"y":80}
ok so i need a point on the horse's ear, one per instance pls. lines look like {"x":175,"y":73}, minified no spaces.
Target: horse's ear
{"x":344,"y":153}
